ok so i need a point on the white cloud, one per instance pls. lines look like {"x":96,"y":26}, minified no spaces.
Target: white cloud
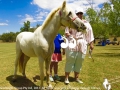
{"x":28,"y":18}
{"x":38,"y":17}
{"x":100,"y":1}
{"x":47,"y":4}
{"x":50,"y":4}
{"x":7,"y":31}
{"x":3,"y":24}
{"x":19,"y":15}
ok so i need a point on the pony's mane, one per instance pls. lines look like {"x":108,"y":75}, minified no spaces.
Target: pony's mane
{"x":49,"y":17}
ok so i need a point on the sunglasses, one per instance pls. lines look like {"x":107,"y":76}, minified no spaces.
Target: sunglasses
{"x":80,"y":13}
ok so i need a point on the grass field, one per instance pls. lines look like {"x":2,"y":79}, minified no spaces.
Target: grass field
{"x":106,"y":65}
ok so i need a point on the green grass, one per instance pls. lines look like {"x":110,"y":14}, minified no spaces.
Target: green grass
{"x":106,"y":65}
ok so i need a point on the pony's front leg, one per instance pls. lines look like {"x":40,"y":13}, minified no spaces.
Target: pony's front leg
{"x":41,"y":66}
{"x":47,"y":65}
{"x":15,"y":71}
{"x":16,"y":65}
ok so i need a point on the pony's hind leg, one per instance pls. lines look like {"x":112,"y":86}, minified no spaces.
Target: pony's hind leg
{"x":47,"y":66}
{"x":26,"y":58}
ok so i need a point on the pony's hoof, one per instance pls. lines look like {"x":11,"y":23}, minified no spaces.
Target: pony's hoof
{"x":24,"y":76}
{"x":14,"y":79}
{"x":43,"y":88}
{"x":50,"y":87}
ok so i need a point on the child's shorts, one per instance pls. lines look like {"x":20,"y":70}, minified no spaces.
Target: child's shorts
{"x":56,"y":57}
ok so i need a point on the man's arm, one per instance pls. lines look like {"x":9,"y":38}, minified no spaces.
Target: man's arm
{"x":91,"y":45}
{"x":63,"y":51}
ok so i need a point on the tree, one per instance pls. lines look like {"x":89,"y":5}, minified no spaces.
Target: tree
{"x":34,"y":28}
{"x":26,"y":27}
{"x":114,"y":18}
{"x":94,"y":19}
{"x":8,"y":37}
{"x":0,"y":37}
{"x":104,"y":19}
{"x":92,"y":15}
{"x":105,"y":22}
{"x":38,"y":25}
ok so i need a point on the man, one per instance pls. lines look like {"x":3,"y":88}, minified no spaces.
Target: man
{"x":76,"y":55}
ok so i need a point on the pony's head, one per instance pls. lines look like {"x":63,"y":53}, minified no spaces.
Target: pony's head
{"x":70,"y":19}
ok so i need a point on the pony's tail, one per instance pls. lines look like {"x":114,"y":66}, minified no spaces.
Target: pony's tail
{"x":21,"y":61}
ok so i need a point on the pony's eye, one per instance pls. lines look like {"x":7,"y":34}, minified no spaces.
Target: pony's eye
{"x":69,"y":13}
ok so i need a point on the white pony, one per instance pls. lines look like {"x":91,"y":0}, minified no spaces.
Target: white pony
{"x":40,"y":43}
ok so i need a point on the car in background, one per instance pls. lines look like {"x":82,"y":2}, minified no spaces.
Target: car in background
{"x":108,"y":41}
{"x":112,"y":42}
{"x":115,"y":42}
{"x":105,"y":42}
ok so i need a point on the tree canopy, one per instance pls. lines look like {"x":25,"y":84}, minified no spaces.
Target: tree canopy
{"x":105,"y":22}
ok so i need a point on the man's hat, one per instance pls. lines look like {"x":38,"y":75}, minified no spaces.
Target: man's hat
{"x":78,"y":10}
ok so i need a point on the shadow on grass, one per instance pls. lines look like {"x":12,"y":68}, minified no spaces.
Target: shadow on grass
{"x":107,"y":54}
{"x":37,"y":77}
{"x":21,"y":83}
{"x":62,"y":79}
{"x":112,"y":49}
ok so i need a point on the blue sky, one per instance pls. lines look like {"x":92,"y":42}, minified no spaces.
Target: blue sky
{"x":14,"y":12}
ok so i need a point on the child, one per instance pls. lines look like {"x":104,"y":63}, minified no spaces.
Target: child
{"x":56,"y":57}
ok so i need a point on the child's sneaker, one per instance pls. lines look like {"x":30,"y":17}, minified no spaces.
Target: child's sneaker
{"x":51,"y":78}
{"x":79,"y":81}
{"x":56,"y":77}
{"x":66,"y":81}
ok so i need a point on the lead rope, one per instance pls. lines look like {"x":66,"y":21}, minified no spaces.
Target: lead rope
{"x":90,"y":53}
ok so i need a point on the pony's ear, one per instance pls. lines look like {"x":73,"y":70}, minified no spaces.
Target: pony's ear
{"x":64,"y":5}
